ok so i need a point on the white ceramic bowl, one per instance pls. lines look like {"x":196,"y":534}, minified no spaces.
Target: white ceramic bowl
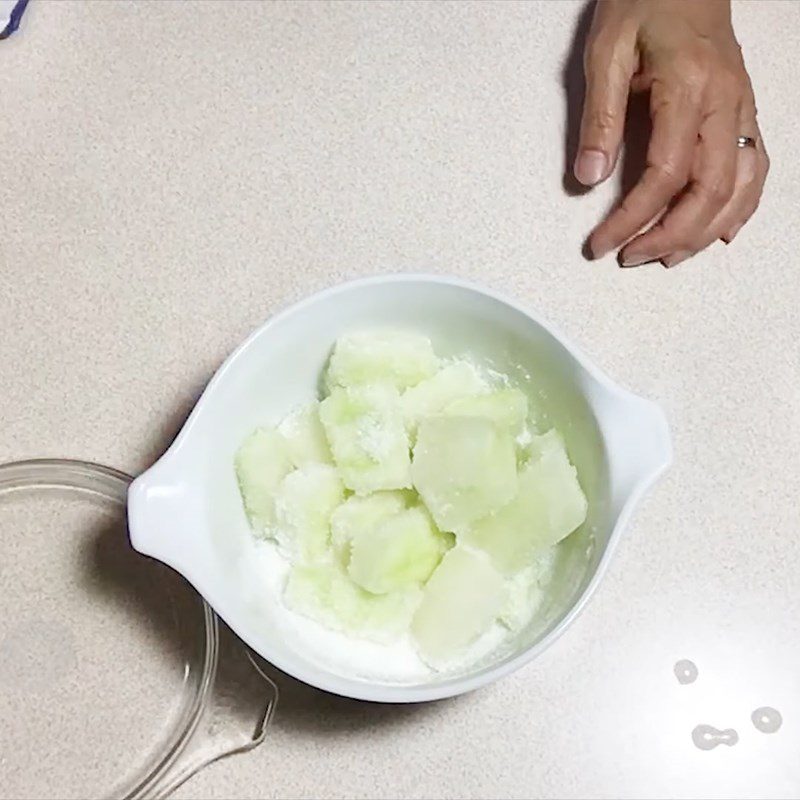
{"x":186,"y":511}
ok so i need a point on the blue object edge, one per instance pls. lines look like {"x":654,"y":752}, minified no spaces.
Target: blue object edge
{"x":14,"y":18}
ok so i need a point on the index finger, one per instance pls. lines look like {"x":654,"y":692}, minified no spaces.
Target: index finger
{"x":685,"y":226}
{"x":676,"y":116}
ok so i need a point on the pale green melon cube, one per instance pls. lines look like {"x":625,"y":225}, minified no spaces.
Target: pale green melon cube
{"x":359,"y":515}
{"x":507,"y":408}
{"x":464,"y":468}
{"x":364,"y":426}
{"x":400,"y":550}
{"x":305,"y":437}
{"x":453,"y":382}
{"x":461,"y":601}
{"x":325,"y":593}
{"x":399,"y":358}
{"x":549,"y":505}
{"x":261,"y":463}
{"x":526,"y":591}
{"x":304,"y":503}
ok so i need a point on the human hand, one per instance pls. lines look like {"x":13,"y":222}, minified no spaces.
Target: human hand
{"x":699,"y":185}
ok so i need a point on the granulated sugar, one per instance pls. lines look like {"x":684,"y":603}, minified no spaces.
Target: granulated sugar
{"x":349,"y":656}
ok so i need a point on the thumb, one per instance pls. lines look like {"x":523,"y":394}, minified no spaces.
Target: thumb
{"x":609,"y":68}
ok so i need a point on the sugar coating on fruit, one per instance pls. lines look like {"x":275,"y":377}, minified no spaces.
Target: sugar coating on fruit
{"x":261,"y":463}
{"x":401,"y":550}
{"x":461,"y":601}
{"x":463,"y":468}
{"x":399,"y":358}
{"x":358,"y":515}
{"x":526,"y":591}
{"x":304,"y":503}
{"x":507,"y":408}
{"x":364,"y":427}
{"x":325,"y":593}
{"x":305,"y":437}
{"x":549,"y":505}
{"x":455,"y":381}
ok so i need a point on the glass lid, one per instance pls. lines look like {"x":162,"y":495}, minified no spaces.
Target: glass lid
{"x":106,"y":657}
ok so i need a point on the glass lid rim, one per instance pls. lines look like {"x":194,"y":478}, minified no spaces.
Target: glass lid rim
{"x":112,"y":485}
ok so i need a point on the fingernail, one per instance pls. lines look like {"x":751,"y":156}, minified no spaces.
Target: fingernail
{"x":590,"y":166}
{"x":732,"y":233}
{"x":675,"y":258}
{"x":633,"y":260}
{"x":598,"y":249}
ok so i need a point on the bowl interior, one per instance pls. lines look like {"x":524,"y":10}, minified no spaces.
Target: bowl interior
{"x":279,"y":368}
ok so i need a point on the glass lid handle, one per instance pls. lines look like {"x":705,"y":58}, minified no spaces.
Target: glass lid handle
{"x":239,"y":710}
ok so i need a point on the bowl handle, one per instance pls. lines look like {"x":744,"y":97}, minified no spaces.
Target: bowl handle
{"x":638,"y":445}
{"x":164,"y":519}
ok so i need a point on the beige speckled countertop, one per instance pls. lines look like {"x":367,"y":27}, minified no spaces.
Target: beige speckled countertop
{"x":172,"y":173}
